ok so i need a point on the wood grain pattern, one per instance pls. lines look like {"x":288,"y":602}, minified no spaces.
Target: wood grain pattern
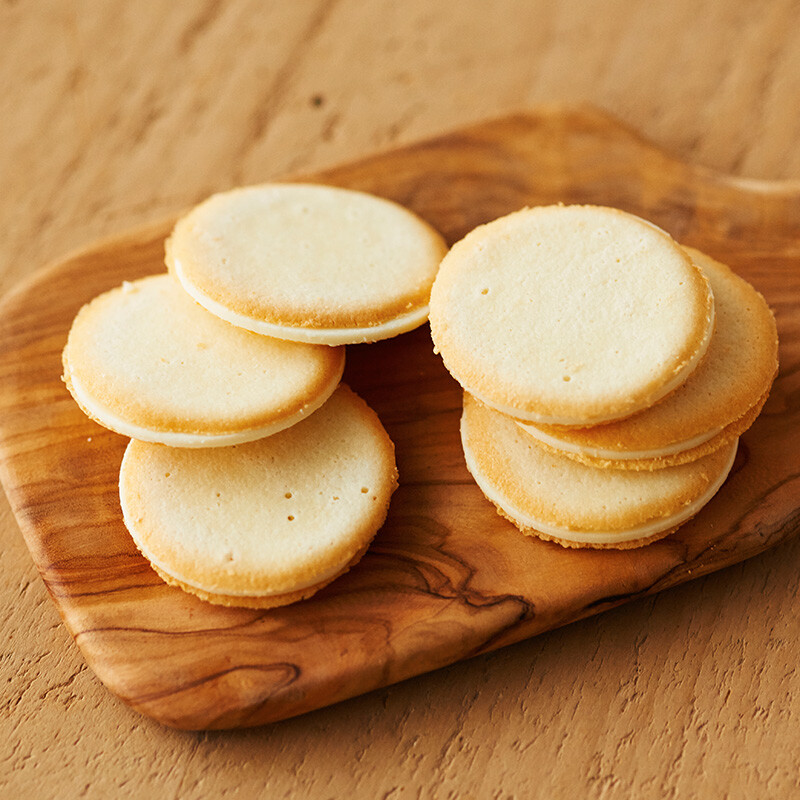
{"x":446,"y":578}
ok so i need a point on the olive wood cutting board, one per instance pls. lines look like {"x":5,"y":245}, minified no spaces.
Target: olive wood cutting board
{"x":446,"y":578}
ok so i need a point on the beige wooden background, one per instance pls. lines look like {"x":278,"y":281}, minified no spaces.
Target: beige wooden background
{"x":113,"y":113}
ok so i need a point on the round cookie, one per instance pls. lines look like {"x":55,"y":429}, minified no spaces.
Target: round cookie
{"x":570,"y":315}
{"x":146,"y":361}
{"x":717,"y":403}
{"x":265,"y":523}
{"x":308,"y":263}
{"x":560,"y":499}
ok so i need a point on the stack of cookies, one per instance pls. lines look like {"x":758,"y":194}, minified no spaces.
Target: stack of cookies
{"x":253,"y":477}
{"x":608,"y":372}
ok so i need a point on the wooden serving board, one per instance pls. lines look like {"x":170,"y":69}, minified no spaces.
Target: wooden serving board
{"x":446,"y":578}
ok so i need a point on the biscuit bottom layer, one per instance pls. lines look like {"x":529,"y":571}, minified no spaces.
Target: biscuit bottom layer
{"x":330,"y":336}
{"x":643,"y":531}
{"x":169,"y":574}
{"x":109,"y":419}
{"x":622,"y":455}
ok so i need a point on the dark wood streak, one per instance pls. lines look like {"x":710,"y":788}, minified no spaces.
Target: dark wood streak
{"x":514,"y":630}
{"x":291,"y":671}
{"x":446,"y":577}
{"x":101,"y":592}
{"x":226,"y":629}
{"x":432,"y":582}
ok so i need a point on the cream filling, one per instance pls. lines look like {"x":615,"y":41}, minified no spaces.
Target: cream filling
{"x":330,"y":336}
{"x":172,"y":439}
{"x":620,"y":455}
{"x":179,"y":576}
{"x":643,"y":531}
{"x":673,"y":383}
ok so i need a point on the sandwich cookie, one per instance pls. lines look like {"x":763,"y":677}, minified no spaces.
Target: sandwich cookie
{"x":265,"y":523}
{"x":718,"y":402}
{"x":570,"y":315}
{"x":146,"y":361}
{"x":308,"y":263}
{"x":575,"y":505}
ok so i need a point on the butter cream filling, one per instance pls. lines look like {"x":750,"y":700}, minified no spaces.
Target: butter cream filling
{"x":642,"y":531}
{"x":621,"y":455}
{"x":330,"y":336}
{"x":118,"y":424}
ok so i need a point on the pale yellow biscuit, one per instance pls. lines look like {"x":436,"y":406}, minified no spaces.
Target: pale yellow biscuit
{"x":147,"y":362}
{"x":570,"y":314}
{"x":308,"y":263}
{"x":267,"y":522}
{"x":576,"y":505}
{"x":717,"y":403}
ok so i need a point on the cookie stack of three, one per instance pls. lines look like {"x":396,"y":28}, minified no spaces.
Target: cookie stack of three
{"x":253,"y":477}
{"x":608,"y":372}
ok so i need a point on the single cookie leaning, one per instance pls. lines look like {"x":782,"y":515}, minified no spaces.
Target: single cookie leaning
{"x":308,"y":263}
{"x":265,"y":523}
{"x":570,"y":315}
{"x":146,"y":361}
{"x":718,"y":402}
{"x":560,"y":499}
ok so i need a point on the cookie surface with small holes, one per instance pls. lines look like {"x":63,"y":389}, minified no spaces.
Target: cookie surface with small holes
{"x":264,"y":523}
{"x":308,"y":263}
{"x":146,"y":361}
{"x":718,"y":402}
{"x":570,"y":315}
{"x":554,"y":497}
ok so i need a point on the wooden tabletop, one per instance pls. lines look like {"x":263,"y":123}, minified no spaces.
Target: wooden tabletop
{"x":115,"y":113}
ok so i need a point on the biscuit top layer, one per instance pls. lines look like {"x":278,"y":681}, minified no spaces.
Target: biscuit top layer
{"x":307,"y":256}
{"x":566,"y":494}
{"x":150,"y":355}
{"x":738,"y":369}
{"x":571,"y":315}
{"x":266,"y":517}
